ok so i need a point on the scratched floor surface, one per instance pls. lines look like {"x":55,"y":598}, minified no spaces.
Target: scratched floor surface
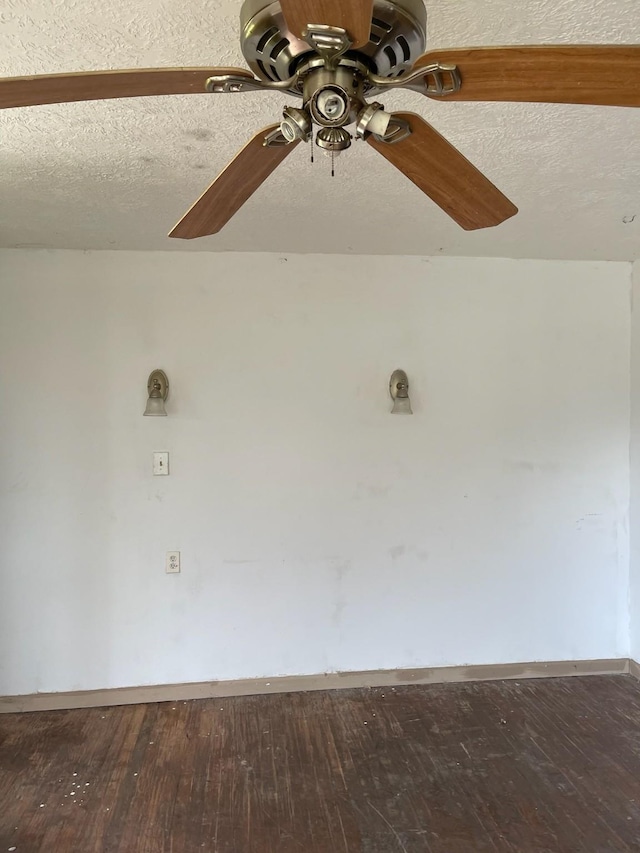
{"x":531,"y":767}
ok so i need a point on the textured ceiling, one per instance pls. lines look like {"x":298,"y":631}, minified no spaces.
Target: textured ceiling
{"x":118,"y":174}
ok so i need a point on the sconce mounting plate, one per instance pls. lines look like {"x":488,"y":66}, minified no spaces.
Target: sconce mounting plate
{"x":399,"y":391}
{"x":158,"y":377}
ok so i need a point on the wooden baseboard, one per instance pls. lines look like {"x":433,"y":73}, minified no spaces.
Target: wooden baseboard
{"x":297,"y":683}
{"x":634,"y":668}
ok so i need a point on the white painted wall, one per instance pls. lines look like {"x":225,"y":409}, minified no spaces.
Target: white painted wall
{"x":317,"y":531}
{"x":634,"y":516}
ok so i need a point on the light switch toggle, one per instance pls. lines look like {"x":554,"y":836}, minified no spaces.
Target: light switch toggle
{"x":161,"y":464}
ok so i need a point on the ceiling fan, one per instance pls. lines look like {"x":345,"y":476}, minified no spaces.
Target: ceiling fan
{"x":335,"y":57}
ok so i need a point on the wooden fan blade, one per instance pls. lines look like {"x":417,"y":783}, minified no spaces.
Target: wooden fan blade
{"x":446,"y":176}
{"x":234,"y":185}
{"x":557,"y":74}
{"x":99,"y":85}
{"x":353,"y":16}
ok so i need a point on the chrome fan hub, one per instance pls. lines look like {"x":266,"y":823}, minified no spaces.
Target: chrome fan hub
{"x":397,"y":40}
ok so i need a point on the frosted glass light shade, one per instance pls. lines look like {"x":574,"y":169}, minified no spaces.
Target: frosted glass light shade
{"x":155,"y":407}
{"x":401,"y":406}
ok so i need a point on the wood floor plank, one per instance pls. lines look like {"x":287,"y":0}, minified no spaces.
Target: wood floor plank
{"x":540,"y":766}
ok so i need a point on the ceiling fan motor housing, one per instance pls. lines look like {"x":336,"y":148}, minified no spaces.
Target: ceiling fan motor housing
{"x":397,"y":39}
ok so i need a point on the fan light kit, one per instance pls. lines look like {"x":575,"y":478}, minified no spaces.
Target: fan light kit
{"x":337,"y":58}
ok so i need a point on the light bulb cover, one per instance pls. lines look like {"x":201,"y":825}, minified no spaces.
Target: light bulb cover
{"x":401,"y":406}
{"x":155,"y":408}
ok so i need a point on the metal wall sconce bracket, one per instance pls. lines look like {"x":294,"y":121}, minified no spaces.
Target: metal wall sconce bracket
{"x":158,"y":389}
{"x":399,"y":391}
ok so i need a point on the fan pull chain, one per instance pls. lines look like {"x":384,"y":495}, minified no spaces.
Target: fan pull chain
{"x":333,"y":160}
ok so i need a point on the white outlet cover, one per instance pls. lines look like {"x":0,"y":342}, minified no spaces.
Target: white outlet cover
{"x":172,"y":563}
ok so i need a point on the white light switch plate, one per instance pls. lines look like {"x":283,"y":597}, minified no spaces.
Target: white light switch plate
{"x":172,"y":565}
{"x":161,"y":464}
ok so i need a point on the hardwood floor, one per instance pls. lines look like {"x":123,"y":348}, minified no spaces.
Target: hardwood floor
{"x":547,"y":766}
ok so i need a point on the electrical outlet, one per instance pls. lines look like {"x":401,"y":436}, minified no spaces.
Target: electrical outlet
{"x":161,"y":464}
{"x":172,"y":564}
